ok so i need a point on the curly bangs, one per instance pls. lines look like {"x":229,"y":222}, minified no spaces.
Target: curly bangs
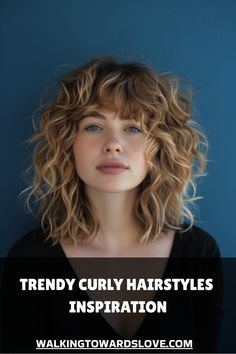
{"x":175,"y":149}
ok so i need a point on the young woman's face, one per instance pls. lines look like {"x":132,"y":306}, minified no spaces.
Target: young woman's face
{"x":109,"y":152}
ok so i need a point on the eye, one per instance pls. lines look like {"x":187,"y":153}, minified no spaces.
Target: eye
{"x":92,"y":128}
{"x":134,"y":130}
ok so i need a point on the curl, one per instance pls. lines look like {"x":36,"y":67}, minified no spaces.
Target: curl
{"x":175,"y":148}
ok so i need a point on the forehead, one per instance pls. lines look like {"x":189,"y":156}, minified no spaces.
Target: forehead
{"x":105,"y":114}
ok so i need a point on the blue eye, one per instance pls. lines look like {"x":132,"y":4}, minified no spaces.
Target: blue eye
{"x":92,"y":128}
{"x":134,"y":130}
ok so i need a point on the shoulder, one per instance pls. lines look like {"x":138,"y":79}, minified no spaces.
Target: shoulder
{"x":34,"y":244}
{"x":195,"y":243}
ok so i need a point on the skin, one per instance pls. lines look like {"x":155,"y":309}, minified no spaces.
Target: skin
{"x":112,"y":197}
{"x":104,"y":137}
{"x":107,"y":137}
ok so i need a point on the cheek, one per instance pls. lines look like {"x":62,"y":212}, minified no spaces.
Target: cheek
{"x":83,"y":145}
{"x":80,"y":152}
{"x":77,"y":148}
{"x":139,"y":157}
{"x":139,"y":150}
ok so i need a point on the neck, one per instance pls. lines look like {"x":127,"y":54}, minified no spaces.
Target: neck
{"x":119,"y":228}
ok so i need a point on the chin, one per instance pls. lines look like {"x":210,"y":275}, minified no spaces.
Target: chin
{"x":114,"y":189}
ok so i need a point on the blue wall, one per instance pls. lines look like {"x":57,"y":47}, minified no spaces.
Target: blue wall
{"x":193,"y":38}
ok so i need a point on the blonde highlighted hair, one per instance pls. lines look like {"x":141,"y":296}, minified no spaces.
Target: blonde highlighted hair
{"x":175,"y":148}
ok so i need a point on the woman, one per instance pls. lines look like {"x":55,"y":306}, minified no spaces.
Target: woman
{"x":115,"y":162}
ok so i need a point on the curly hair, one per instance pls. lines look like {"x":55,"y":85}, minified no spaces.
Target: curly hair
{"x":175,"y":148}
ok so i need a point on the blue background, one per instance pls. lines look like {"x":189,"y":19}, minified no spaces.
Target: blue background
{"x":195,"y":39}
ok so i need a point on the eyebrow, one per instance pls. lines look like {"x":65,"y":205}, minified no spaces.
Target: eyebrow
{"x":98,"y":115}
{"x":95,"y":115}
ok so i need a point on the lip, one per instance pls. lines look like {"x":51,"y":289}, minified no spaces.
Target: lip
{"x":112,"y":167}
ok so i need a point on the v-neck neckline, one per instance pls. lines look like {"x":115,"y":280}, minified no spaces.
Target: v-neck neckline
{"x":61,"y":253}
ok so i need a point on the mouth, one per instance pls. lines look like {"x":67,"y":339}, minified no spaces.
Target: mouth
{"x":112,"y":167}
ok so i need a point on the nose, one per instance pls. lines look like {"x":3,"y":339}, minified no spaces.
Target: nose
{"x":112,"y":145}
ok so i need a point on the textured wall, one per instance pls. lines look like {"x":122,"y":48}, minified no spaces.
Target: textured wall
{"x":195,"y":39}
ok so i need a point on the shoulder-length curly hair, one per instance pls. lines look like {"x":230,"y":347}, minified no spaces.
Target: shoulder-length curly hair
{"x":175,"y":149}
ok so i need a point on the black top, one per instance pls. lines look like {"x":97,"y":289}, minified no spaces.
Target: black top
{"x":193,"y":243}
{"x":28,"y":316}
